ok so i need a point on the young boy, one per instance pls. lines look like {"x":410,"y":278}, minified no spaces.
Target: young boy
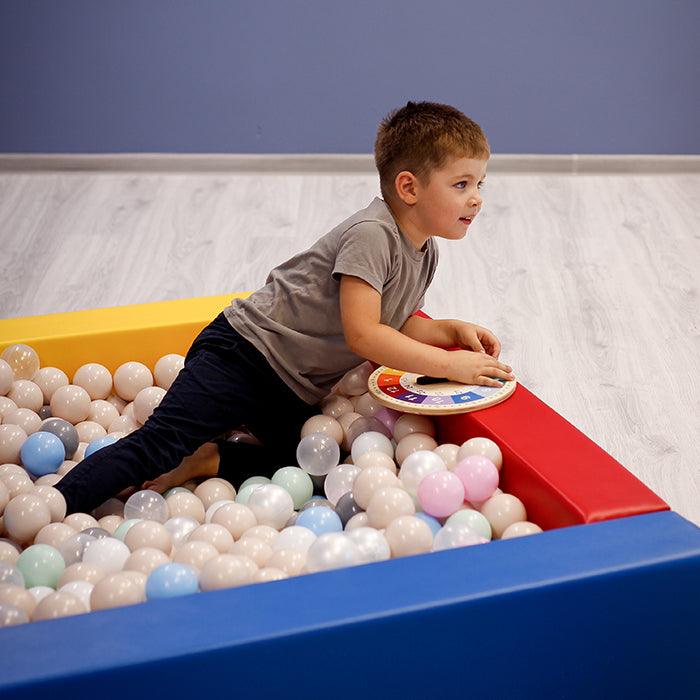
{"x":266,"y":360}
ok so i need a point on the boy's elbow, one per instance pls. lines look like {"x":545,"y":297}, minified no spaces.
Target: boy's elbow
{"x":359,"y":340}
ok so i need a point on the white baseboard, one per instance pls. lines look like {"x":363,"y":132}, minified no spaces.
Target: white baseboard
{"x":335,"y":163}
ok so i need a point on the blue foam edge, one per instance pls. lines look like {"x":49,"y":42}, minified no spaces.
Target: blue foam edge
{"x":565,"y":592}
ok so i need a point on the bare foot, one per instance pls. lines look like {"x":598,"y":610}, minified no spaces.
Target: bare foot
{"x":204,"y":462}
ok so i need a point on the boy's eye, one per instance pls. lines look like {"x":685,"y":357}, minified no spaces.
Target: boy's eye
{"x":461,"y":185}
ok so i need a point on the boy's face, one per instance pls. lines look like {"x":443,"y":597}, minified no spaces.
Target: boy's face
{"x":447,"y":204}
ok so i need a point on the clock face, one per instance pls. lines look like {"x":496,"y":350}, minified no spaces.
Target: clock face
{"x":400,"y":390}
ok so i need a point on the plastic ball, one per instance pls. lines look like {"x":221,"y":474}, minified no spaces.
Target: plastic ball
{"x":117,"y":590}
{"x":326,"y":425}
{"x":244,"y":493}
{"x":354,"y":382}
{"x":371,"y":442}
{"x":412,"y":443}
{"x":64,"y":431}
{"x":130,"y":378}
{"x":146,"y":401}
{"x":520,"y":529}
{"x":332,"y":551}
{"x":453,"y":536}
{"x":82,"y":590}
{"x":54,"y":499}
{"x":58,"y":604}
{"x":271,"y":505}
{"x":22,"y":359}
{"x":296,"y":482}
{"x":26,"y":394}
{"x":124,"y":527}
{"x":320,"y":520}
{"x":335,"y":406}
{"x":473,"y":519}
{"x":479,"y":476}
{"x":346,"y":508}
{"x":433,"y":523}
{"x":295,"y":537}
{"x":11,"y":616}
{"x":481,"y":446}
{"x":317,"y":454}
{"x":98,"y":444}
{"x":440,"y":494}
{"x":410,"y":423}
{"x":370,"y":480}
{"x":387,"y":504}
{"x":417,"y":466}
{"x":339,"y":481}
{"x":166,"y":370}
{"x":503,"y":510}
{"x":147,"y":505}
{"x":41,"y":565}
{"x":408,"y":535}
{"x":109,"y":554}
{"x":42,"y":453}
{"x":7,"y":377}
{"x":363,"y":425}
{"x":171,"y":580}
{"x":25,"y":515}
{"x":372,"y":544}
{"x":10,"y":574}
{"x":95,"y":379}
{"x":227,"y":571}
{"x":12,"y":438}
{"x":72,"y":403}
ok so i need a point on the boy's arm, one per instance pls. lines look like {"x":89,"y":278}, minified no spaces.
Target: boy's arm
{"x":430,"y":331}
{"x":449,"y":333}
{"x":360,"y":307}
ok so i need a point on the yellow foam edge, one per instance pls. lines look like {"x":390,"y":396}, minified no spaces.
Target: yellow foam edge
{"x":114,"y":335}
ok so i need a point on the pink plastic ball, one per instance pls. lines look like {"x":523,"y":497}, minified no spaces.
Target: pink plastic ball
{"x":479,"y":476}
{"x":440,"y":494}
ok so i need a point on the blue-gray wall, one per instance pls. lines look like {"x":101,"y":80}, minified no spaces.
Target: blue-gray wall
{"x":202,"y":76}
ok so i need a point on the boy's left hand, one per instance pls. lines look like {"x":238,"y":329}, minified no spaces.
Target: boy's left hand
{"x":476,"y":338}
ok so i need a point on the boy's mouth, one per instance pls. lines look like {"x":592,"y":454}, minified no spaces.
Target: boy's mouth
{"x":466,"y":220}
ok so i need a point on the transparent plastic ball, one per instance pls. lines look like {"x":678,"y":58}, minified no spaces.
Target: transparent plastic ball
{"x":317,"y":454}
{"x":147,"y":505}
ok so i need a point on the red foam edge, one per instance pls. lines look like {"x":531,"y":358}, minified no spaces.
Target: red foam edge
{"x":562,"y":476}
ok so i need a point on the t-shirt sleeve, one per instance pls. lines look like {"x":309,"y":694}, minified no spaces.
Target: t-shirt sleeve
{"x":366,"y":250}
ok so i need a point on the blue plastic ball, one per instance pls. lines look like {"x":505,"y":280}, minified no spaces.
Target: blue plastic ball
{"x":42,"y":453}
{"x":320,"y":520}
{"x":433,"y":523}
{"x":99,"y":443}
{"x":171,"y":580}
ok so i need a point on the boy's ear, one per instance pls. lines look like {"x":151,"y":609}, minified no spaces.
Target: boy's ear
{"x":405,"y":185}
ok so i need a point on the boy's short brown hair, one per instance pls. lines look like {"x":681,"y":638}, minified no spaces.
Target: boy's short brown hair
{"x":421,"y":137}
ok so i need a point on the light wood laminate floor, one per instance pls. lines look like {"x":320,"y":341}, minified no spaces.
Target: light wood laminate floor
{"x":590,"y":281}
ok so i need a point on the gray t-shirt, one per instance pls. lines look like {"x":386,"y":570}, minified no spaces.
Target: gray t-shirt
{"x":294,"y":320}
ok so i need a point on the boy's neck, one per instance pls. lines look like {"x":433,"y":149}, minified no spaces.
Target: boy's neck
{"x":407,"y":228}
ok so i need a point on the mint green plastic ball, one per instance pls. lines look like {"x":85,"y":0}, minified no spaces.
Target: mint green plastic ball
{"x":474,"y":520}
{"x":244,"y":493}
{"x":258,"y":480}
{"x":41,"y":565}
{"x":296,"y":482}
{"x":120,"y":532}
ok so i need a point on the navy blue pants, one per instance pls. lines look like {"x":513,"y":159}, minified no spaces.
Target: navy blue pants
{"x":226,"y":382}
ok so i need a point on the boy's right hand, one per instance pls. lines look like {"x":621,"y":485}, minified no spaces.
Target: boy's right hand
{"x":469,"y":367}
